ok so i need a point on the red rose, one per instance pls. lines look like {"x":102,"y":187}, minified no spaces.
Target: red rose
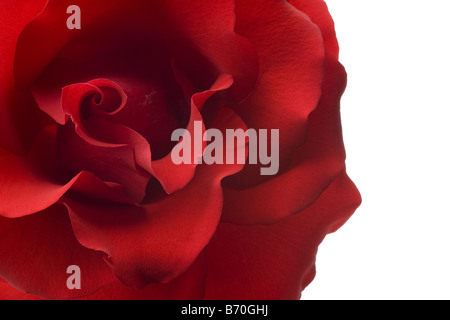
{"x":87,"y":178}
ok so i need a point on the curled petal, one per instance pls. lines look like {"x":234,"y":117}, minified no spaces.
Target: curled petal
{"x":104,"y":139}
{"x":19,"y":184}
{"x":114,"y":164}
{"x":158,"y":241}
{"x":21,"y":178}
{"x":175,"y":177}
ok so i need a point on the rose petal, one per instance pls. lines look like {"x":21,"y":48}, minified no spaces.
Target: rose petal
{"x":313,"y":165}
{"x":291,"y":57}
{"x":175,"y":177}
{"x":19,"y":118}
{"x":276,"y":261}
{"x":19,"y":184}
{"x":155,"y":107}
{"x":37,"y":250}
{"x":8,"y":292}
{"x":158,"y":241}
{"x":154,"y":243}
{"x":188,"y":286}
{"x":51,"y":26}
{"x":91,"y":124}
{"x":317,"y":11}
{"x":77,"y":102}
{"x":21,"y":178}
{"x":88,"y":185}
{"x":111,"y":163}
{"x":219,"y":43}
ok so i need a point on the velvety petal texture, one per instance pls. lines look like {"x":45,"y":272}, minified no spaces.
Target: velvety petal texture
{"x":18,"y":116}
{"x":48,"y":248}
{"x":276,"y":261}
{"x":278,"y":101}
{"x":314,"y":163}
{"x":189,"y":286}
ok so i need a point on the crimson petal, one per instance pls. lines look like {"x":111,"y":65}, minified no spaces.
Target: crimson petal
{"x":175,"y":177}
{"x":19,"y":116}
{"x":188,"y":286}
{"x":276,"y":261}
{"x":315,"y":163}
{"x":291,"y":57}
{"x":313,"y":166}
{"x":38,"y":173}
{"x":37,"y":250}
{"x":158,"y":241}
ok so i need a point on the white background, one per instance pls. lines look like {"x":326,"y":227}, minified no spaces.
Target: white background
{"x":396,"y":122}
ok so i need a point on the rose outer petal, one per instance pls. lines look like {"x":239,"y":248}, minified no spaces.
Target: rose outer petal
{"x":218,"y":42}
{"x":315,"y":163}
{"x":47,"y":247}
{"x":276,"y":261}
{"x":188,"y":286}
{"x":18,"y":117}
{"x":19,"y":185}
{"x":291,"y":56}
{"x":8,"y":292}
{"x":317,"y":11}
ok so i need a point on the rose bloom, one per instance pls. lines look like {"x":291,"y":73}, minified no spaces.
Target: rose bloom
{"x":86,"y":176}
